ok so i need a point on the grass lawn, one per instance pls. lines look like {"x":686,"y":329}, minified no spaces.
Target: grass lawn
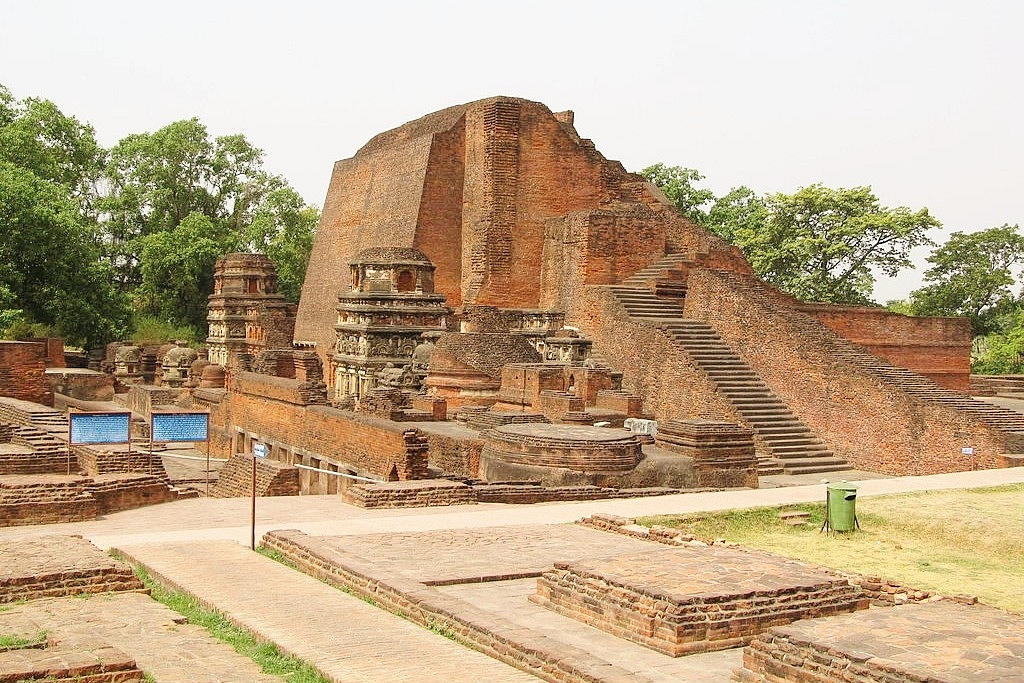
{"x":949,"y":542}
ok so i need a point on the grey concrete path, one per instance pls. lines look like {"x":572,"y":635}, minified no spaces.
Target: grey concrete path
{"x":348,"y":640}
{"x":229,"y":519}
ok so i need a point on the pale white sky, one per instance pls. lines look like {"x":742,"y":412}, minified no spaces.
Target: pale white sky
{"x":921,"y":99}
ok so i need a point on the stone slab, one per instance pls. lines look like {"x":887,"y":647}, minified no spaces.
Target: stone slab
{"x":682,"y":600}
{"x":941,"y":642}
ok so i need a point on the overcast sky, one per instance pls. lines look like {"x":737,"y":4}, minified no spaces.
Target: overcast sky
{"x":922,"y":100}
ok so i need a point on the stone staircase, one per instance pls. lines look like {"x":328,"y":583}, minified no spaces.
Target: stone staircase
{"x":910,"y":382}
{"x":789,"y":446}
{"x":792,"y":448}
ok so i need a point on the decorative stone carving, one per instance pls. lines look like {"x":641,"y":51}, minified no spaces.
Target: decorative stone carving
{"x":381,"y":322}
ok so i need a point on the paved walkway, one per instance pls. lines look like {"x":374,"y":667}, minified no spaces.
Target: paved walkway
{"x":327,"y":515}
{"x":347,"y":639}
{"x":158,"y":639}
{"x":201,"y":545}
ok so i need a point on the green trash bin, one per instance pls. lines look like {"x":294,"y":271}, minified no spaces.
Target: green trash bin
{"x":841,"y":507}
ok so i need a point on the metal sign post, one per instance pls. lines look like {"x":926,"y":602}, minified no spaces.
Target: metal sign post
{"x":259,"y":450}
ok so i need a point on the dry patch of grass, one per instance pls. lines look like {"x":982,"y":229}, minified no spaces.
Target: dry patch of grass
{"x":949,"y":542}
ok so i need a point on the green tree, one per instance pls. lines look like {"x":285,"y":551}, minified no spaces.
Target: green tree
{"x":739,"y":211}
{"x":52,"y":273}
{"x":36,"y":135}
{"x":678,"y":185}
{"x":283,"y":228}
{"x":177,"y":272}
{"x":972,"y":275}
{"x":1001,"y":353}
{"x":821,"y":244}
{"x":155,"y":180}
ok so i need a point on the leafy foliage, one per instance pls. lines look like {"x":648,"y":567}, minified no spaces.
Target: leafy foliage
{"x":972,"y":275}
{"x":88,"y":232}
{"x":177,"y":272}
{"x":678,"y":185}
{"x":819,"y":243}
{"x":54,"y":275}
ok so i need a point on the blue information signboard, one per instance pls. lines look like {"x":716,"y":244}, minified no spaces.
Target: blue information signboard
{"x":99,"y":427}
{"x":181,"y":426}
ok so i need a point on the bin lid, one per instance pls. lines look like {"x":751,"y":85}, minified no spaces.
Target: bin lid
{"x":842,"y":487}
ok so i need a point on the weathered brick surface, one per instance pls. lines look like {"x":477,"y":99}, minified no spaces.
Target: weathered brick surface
{"x":406,"y":494}
{"x":841,"y":402}
{"x":235,"y":480}
{"x":936,"y":641}
{"x":268,"y":410}
{"x":50,"y":566}
{"x":693,"y":599}
{"x":23,"y":372}
{"x":938,"y":348}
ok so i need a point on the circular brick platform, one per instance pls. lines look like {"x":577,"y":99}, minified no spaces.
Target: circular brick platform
{"x":524,"y":451}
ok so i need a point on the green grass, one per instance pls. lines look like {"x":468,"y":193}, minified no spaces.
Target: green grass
{"x":266,"y":655}
{"x":948,"y":542}
{"x":14,"y":641}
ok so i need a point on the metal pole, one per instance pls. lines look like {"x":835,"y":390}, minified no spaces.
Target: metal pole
{"x":252,"y":536}
{"x":207,"y":463}
{"x":69,"y":442}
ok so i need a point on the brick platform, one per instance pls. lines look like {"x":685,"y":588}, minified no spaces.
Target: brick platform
{"x":61,"y":657}
{"x":693,"y":599}
{"x":49,"y":566}
{"x":942,"y":641}
{"x":403,"y":494}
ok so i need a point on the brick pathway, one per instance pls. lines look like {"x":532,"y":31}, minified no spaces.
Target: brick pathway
{"x":468,"y":555}
{"x":941,"y":641}
{"x":346,"y":638}
{"x":154,"y":636}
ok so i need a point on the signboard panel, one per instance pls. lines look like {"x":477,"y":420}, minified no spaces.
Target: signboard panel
{"x":260,"y":450}
{"x":181,"y":426}
{"x":99,"y":427}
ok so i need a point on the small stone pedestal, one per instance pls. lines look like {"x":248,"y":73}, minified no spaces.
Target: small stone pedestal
{"x":722,"y":452}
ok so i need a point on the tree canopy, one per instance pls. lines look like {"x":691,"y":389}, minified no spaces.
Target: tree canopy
{"x":819,"y":243}
{"x":95,"y":234}
{"x":973,"y":275}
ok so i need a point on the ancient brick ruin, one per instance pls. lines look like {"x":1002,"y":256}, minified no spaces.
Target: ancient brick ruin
{"x":522,"y":217}
{"x":483,"y":283}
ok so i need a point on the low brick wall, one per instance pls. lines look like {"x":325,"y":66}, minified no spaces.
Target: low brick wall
{"x":520,"y":494}
{"x":410,"y":494}
{"x":684,"y":600}
{"x":503,"y":640}
{"x":114,"y":493}
{"x":272,"y":478}
{"x":56,"y":566}
{"x":80,"y":661}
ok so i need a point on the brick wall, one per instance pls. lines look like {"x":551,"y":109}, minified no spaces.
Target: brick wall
{"x":234,"y":480}
{"x":874,"y":425}
{"x":653,"y":367}
{"x":938,"y":348}
{"x":264,"y":409}
{"x":23,"y":372}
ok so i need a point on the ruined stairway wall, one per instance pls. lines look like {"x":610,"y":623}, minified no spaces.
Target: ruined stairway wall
{"x":873,"y":424}
{"x":937,"y":348}
{"x":654,"y":367}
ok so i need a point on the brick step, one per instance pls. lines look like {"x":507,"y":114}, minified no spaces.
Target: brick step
{"x":816,"y":467}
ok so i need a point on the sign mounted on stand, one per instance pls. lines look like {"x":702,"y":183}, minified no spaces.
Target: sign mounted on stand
{"x":86,"y":428}
{"x":98,"y":428}
{"x":260,"y":450}
{"x":180,"y":426}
